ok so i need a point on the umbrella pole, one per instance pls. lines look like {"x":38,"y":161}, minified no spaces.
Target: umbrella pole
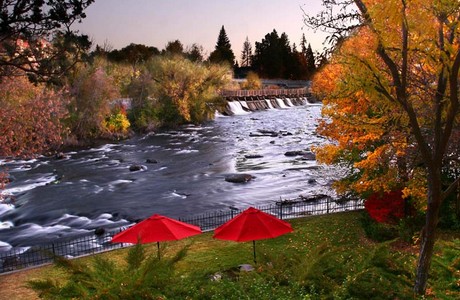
{"x":158,"y":251}
{"x":254,"y":249}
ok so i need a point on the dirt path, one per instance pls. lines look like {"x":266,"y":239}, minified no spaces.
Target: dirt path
{"x":13,"y":286}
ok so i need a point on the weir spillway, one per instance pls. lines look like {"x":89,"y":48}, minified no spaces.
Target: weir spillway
{"x":243,"y":101}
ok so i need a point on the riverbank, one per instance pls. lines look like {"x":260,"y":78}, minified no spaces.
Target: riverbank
{"x":325,"y":255}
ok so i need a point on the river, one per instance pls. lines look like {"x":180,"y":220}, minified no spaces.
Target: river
{"x":182,"y":173}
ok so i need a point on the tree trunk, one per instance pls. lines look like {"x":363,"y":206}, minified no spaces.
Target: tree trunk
{"x":457,"y":203}
{"x":428,"y":234}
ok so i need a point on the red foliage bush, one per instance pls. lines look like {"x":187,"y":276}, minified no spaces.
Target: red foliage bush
{"x":387,"y":207}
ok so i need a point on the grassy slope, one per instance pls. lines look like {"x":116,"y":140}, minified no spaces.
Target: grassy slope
{"x":310,"y":255}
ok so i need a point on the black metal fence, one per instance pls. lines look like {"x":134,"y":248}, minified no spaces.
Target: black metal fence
{"x":25,"y":257}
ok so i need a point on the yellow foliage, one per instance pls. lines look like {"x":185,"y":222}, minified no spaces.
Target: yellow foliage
{"x":360,"y":111}
{"x":252,"y":82}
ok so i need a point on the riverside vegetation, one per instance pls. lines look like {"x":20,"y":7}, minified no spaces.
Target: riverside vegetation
{"x":326,"y":257}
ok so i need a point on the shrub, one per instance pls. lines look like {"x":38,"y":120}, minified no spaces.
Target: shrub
{"x":252,"y":82}
{"x":143,"y":277}
{"x":117,"y":122}
{"x":446,"y":270}
{"x":386,"y":208}
{"x":449,"y":215}
{"x":92,"y":91}
{"x":376,"y":231}
{"x":185,"y":92}
{"x":30,"y":121}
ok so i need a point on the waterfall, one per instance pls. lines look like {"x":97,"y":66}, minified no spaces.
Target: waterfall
{"x":289,"y":102}
{"x":244,"y":105}
{"x":236,"y":108}
{"x":281,"y":103}
{"x":269,"y":103}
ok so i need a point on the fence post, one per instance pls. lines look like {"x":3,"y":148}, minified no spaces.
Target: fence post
{"x":281,"y":211}
{"x":327,"y":202}
{"x":54,"y":252}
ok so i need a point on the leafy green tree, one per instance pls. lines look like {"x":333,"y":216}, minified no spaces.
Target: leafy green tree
{"x":223,"y":52}
{"x":134,"y":54}
{"x":195,"y":53}
{"x":26,"y":29}
{"x":173,"y":90}
{"x":92,"y":91}
{"x":186,"y":92}
{"x":174,"y":48}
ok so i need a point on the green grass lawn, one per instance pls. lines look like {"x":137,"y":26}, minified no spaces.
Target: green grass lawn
{"x":326,"y":257}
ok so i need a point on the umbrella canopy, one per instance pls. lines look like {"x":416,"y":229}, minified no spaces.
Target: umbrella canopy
{"x":156,"y":228}
{"x":251,"y":225}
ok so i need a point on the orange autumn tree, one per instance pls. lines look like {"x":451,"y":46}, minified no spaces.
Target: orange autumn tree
{"x":391,"y":101}
{"x":357,"y":120}
{"x":371,"y":137}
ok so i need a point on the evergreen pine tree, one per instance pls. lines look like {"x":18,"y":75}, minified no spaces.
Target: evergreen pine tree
{"x":223,"y":51}
{"x":246,"y":54}
{"x":303,"y":45}
{"x":311,"y":66}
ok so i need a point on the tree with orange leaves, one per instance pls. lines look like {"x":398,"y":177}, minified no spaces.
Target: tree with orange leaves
{"x":392,"y":101}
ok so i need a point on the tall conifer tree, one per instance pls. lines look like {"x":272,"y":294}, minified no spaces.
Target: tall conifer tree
{"x":311,"y":66}
{"x":223,"y":51}
{"x":246,"y":54}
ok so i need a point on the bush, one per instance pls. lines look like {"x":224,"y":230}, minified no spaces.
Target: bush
{"x":185,"y":92}
{"x":252,"y":82}
{"x":117,"y":122}
{"x":30,"y":117}
{"x":92,"y":91}
{"x":386,"y":207}
{"x":410,"y":227}
{"x":376,"y":231}
{"x":446,"y":270}
{"x":143,"y":277}
{"x":449,"y":215}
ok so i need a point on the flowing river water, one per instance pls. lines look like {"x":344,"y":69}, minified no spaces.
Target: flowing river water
{"x":180,"y":173}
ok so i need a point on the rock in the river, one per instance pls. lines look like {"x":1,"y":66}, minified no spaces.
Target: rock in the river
{"x":294,"y":153}
{"x":239,"y":178}
{"x":151,"y":161}
{"x":60,"y":155}
{"x":135,"y":168}
{"x":249,"y":156}
{"x":306,"y":155}
{"x":311,"y":180}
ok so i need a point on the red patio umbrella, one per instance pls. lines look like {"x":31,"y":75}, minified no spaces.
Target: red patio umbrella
{"x":251,"y":225}
{"x":156,"y":228}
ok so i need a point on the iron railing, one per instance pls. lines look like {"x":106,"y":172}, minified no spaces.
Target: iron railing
{"x":265,"y":93}
{"x":24,"y":257}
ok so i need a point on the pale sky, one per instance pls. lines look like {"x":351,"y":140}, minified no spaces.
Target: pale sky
{"x":156,"y":22}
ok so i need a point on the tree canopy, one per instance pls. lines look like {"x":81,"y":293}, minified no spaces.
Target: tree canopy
{"x":133,"y":54}
{"x":391,"y":100}
{"x":27,"y":28}
{"x":275,"y":58}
